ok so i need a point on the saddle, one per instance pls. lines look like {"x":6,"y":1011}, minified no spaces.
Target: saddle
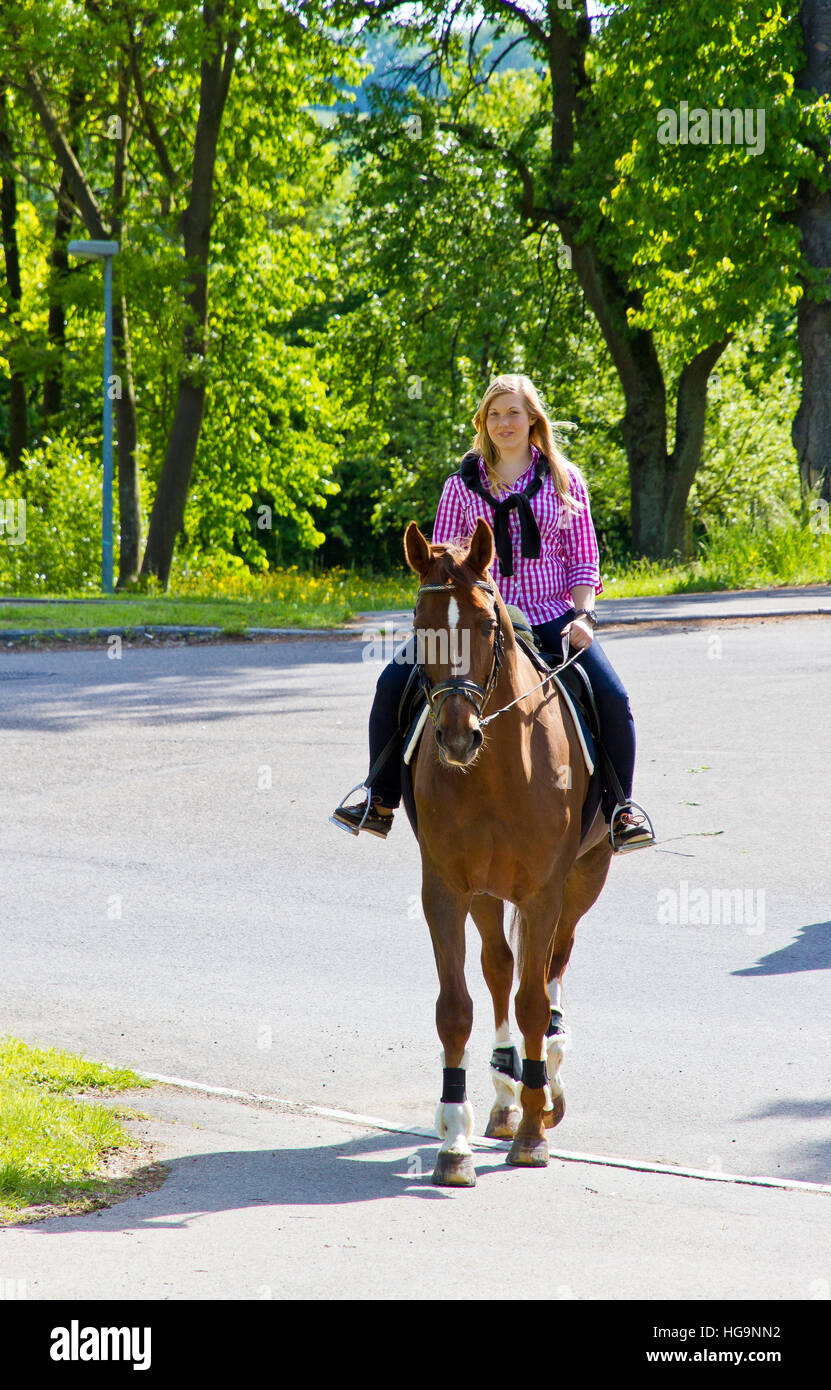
{"x":576,"y":696}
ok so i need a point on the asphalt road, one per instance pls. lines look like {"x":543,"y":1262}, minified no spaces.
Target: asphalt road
{"x":173,"y":897}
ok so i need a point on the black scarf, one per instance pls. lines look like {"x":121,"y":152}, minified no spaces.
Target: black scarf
{"x":529,"y":530}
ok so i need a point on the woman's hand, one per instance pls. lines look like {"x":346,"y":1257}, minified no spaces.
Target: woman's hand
{"x":579,"y":632}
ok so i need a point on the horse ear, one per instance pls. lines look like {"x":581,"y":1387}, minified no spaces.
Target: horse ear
{"x":416,"y":550}
{"x":481,"y":552}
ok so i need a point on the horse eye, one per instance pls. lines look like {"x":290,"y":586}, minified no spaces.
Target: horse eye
{"x":486,"y":626}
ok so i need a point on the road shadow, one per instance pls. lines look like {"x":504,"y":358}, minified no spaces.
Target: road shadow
{"x":810,"y":950}
{"x":55,"y":692}
{"x":234,"y":1180}
{"x":808,"y":1161}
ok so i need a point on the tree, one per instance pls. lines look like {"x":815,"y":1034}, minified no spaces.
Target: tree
{"x":281,"y":65}
{"x":47,"y":49}
{"x":153,"y":108}
{"x":442,"y":283}
{"x":651,"y":226}
{"x":812,"y":425}
{"x":18,"y":409}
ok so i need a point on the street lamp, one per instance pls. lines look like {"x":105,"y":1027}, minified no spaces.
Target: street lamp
{"x":104,"y":251}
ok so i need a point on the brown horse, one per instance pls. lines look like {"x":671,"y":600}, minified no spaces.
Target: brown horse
{"x":499,"y":816}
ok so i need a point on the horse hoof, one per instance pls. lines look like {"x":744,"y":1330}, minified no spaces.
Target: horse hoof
{"x":454,"y":1170}
{"x":552,"y":1117}
{"x":504,"y":1122}
{"x":528,"y":1154}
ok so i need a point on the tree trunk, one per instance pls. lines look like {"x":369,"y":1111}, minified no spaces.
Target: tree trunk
{"x":59,"y":269}
{"x":56,"y":328}
{"x":659,"y":481}
{"x":18,"y":429}
{"x":811,"y":431}
{"x":129,"y":494}
{"x":171,"y":494}
{"x":685,"y":459}
{"x":85,"y":201}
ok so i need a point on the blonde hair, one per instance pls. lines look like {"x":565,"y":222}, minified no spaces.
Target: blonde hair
{"x":541,"y":433}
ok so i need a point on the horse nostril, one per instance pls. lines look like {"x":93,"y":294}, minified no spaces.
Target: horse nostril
{"x":477,"y":739}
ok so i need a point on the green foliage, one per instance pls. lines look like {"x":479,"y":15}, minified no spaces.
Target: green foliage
{"x":750,"y":469}
{"x":772,"y":550}
{"x":60,"y":484}
{"x":270,"y":436}
{"x":699,"y":228}
{"x":368,"y":277}
{"x":452,"y":286}
{"x":777,"y":548}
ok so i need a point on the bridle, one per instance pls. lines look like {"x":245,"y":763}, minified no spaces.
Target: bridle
{"x":478,"y":695}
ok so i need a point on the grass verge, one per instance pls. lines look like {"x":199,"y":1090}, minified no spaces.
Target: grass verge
{"x":60,"y":1153}
{"x":735,"y":557}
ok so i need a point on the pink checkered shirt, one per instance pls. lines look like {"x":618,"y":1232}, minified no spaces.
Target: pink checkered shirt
{"x":568,"y":545}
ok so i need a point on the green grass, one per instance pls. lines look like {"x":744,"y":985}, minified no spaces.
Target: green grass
{"x":733,"y":557}
{"x":52,"y":1142}
{"x":739,"y":556}
{"x":135,"y":610}
{"x":285,"y":598}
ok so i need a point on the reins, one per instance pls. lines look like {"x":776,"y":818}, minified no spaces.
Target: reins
{"x":477,"y":694}
{"x":555,"y":671}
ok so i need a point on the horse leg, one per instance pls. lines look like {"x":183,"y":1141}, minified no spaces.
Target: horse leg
{"x":582,"y":888}
{"x":533,"y":1013}
{"x":498,"y":970}
{"x":446,"y":911}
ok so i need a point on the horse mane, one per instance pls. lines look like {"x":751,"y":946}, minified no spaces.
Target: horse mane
{"x":450,"y":562}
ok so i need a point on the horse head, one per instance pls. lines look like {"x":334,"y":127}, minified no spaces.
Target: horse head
{"x":460,"y":627}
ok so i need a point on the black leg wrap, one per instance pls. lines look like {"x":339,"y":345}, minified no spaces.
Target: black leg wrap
{"x":534,"y":1074}
{"x":555,"y":1023}
{"x":506,"y":1060}
{"x":453,"y":1087}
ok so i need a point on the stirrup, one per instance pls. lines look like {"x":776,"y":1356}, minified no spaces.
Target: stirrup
{"x":642,"y":834}
{"x":361,"y":786}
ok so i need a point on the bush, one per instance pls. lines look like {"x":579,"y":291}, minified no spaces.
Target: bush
{"x":60,"y":483}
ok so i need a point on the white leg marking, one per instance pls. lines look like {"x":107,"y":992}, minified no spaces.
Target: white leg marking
{"x":558,"y":1044}
{"x":454,"y":1121}
{"x":507,"y":1090}
{"x":556,"y":1049}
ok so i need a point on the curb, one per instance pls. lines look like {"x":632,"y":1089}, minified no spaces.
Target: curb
{"x":28,"y":635}
{"x":377,"y":622}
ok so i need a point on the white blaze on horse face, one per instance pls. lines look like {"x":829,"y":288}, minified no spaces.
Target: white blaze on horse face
{"x":453,"y":628}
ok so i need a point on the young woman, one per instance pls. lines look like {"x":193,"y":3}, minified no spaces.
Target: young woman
{"x":546,"y":563}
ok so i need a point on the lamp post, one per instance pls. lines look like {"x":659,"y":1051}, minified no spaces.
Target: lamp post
{"x":104,"y":251}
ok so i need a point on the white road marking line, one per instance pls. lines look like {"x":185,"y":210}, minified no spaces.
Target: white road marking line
{"x":479,"y":1141}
